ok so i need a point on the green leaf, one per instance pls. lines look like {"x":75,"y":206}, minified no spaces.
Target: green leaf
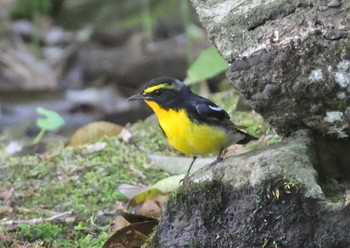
{"x":169,"y":184}
{"x":143,"y":196}
{"x":208,"y":65}
{"x":51,"y":121}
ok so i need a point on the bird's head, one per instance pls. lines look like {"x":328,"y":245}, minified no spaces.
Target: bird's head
{"x":165,"y":91}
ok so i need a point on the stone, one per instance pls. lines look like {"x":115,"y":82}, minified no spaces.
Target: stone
{"x":300,"y":48}
{"x":291,"y":60}
{"x":264,"y":198}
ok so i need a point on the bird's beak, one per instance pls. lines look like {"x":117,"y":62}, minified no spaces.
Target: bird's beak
{"x":136,"y":97}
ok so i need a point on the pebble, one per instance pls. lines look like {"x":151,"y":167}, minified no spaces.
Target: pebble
{"x":334,"y":4}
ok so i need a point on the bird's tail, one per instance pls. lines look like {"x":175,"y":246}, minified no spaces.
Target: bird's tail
{"x":247,"y":138}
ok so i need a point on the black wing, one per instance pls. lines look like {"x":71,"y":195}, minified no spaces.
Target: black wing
{"x":209,"y":110}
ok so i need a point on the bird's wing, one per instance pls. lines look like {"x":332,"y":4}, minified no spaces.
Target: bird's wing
{"x":209,"y":110}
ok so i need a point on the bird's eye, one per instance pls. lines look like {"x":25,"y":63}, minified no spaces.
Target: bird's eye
{"x":157,"y":92}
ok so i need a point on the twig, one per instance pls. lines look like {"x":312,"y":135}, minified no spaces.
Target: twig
{"x":35,"y":220}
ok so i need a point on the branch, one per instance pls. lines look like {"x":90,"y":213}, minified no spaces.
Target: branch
{"x":35,"y":220}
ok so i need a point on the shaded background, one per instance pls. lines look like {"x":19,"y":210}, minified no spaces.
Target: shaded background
{"x":84,"y":58}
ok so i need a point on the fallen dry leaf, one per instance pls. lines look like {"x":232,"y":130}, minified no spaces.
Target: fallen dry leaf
{"x":96,"y":147}
{"x":7,"y":194}
{"x":133,"y":235}
{"x":131,"y":190}
{"x":150,"y":209}
{"x":5,"y":209}
{"x":125,"y":135}
{"x":93,"y":131}
{"x":119,"y":223}
{"x":133,"y":218}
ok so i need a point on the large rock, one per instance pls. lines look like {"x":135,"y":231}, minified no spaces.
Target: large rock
{"x":266,"y":198}
{"x":290,"y":59}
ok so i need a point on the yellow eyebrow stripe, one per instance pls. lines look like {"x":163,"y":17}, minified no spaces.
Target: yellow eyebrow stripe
{"x":157,"y":87}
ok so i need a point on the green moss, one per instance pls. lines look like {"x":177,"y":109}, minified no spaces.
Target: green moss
{"x":333,"y":190}
{"x":152,"y":239}
{"x":43,"y":231}
{"x":81,"y":180}
{"x":211,"y":191}
{"x":187,"y":196}
{"x":26,"y":9}
{"x":270,"y":243}
{"x":150,"y":137}
{"x":278,"y":191}
{"x":343,"y":50}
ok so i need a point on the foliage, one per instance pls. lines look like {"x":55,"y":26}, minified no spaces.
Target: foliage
{"x":44,"y":231}
{"x":147,"y":22}
{"x":51,"y":121}
{"x":208,"y":65}
{"x":27,"y":9}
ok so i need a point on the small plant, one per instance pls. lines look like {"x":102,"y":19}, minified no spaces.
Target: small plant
{"x":52,"y":121}
{"x":147,"y":22}
{"x":281,"y":188}
{"x":206,"y":66}
{"x":44,"y":231}
{"x":270,"y":242}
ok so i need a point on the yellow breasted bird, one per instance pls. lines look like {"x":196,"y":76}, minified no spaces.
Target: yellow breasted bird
{"x":192,"y":124}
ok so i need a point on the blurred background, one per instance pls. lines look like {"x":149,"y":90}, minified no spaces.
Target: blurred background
{"x":83,"y":58}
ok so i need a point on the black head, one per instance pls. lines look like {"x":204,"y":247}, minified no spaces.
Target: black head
{"x":166,"y":91}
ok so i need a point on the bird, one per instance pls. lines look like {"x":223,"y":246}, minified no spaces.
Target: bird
{"x":192,"y":124}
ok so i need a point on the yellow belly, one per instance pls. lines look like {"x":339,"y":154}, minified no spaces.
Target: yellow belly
{"x":188,"y":137}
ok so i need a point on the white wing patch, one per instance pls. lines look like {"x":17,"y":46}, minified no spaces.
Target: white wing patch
{"x":215,"y":108}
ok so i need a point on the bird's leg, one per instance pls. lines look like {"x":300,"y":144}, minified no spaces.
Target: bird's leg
{"x":218,"y":158}
{"x":187,"y":175}
{"x":189,"y":168}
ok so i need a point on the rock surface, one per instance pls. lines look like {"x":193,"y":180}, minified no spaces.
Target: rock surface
{"x":290,"y":59}
{"x":266,"y":198}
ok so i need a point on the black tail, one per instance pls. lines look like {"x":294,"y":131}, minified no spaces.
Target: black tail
{"x":247,"y":138}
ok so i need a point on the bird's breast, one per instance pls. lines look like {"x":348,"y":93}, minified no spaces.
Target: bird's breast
{"x":187,"y":136}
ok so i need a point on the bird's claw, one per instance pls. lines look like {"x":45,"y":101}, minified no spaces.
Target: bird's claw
{"x":186,"y":179}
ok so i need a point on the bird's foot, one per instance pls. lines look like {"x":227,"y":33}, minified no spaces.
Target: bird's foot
{"x":186,"y":180}
{"x":213,"y":163}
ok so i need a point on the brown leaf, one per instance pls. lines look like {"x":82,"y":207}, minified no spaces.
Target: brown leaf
{"x":160,"y":200}
{"x":151,"y":209}
{"x":93,"y":131}
{"x":7,"y":194}
{"x":5,"y":210}
{"x":119,"y":223}
{"x":134,"y":218}
{"x":133,"y":235}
